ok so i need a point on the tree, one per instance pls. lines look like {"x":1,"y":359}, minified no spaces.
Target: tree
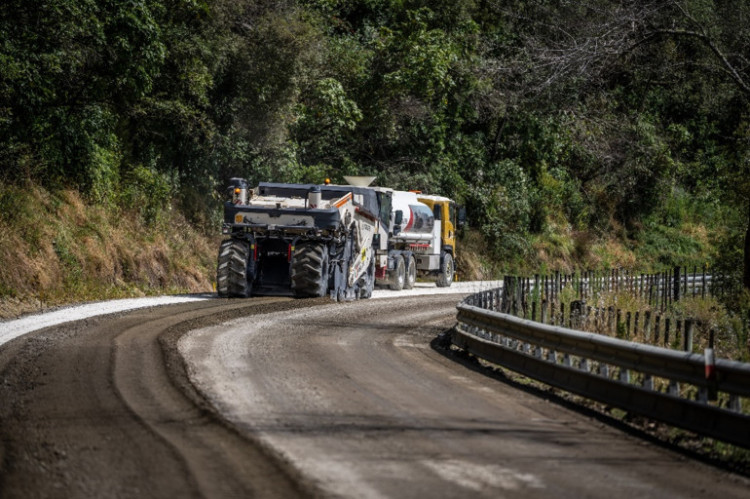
{"x":671,"y":56}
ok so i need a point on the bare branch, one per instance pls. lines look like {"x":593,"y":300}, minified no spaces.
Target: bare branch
{"x":706,"y":40}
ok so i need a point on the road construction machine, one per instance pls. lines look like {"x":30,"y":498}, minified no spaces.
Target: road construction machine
{"x":304,"y":240}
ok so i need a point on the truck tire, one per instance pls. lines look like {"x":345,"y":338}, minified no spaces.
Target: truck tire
{"x":231,"y":273}
{"x":399,"y":274}
{"x":411,"y":274}
{"x":310,"y":270}
{"x":445,"y":277}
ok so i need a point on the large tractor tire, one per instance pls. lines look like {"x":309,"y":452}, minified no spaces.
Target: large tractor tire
{"x":399,"y":274}
{"x":232,"y":270}
{"x":310,"y":270}
{"x":445,"y":277}
{"x":369,"y":281}
{"x":411,"y":274}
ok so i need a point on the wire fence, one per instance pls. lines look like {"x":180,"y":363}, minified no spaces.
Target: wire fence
{"x":679,"y":309}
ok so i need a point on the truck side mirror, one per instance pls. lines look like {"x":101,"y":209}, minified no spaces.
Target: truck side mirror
{"x":398,"y":217}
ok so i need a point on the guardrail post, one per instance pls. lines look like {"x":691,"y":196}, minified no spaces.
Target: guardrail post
{"x":674,"y":388}
{"x":648,"y":382}
{"x":566,"y":360}
{"x":702,"y":395}
{"x":735,"y":404}
{"x":583,"y":365}
{"x":666,"y":331}
{"x":657,"y":324}
{"x":647,"y":325}
{"x":624,"y":375}
{"x":604,"y":370}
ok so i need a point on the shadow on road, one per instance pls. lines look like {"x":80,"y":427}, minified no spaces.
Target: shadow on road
{"x":716,"y":454}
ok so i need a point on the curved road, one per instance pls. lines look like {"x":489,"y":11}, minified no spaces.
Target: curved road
{"x":277,"y":398}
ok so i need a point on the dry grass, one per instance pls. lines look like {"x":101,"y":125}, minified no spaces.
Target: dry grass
{"x":57,"y":249}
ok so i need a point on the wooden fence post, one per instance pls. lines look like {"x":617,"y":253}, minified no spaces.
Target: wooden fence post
{"x":688,"y":339}
{"x":627,"y":324}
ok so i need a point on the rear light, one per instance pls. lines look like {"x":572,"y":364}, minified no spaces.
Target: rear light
{"x":254,"y":247}
{"x":289,"y":252}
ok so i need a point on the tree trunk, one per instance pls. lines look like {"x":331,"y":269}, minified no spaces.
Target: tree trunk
{"x":746,"y":276}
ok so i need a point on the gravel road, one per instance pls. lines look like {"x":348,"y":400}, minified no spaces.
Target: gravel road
{"x":271,"y":397}
{"x":102,"y":408}
{"x":357,"y":399}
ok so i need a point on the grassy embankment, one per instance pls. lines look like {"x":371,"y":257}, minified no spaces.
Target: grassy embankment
{"x":56,"y":248}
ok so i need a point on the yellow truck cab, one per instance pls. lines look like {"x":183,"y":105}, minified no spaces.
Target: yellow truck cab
{"x":445,"y":212}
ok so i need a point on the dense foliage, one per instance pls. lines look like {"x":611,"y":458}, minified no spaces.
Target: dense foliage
{"x":607,"y":118}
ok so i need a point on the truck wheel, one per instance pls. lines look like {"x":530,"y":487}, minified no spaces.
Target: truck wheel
{"x":411,"y":274}
{"x":231,"y":273}
{"x":445,"y":278}
{"x":310,"y":270}
{"x":399,"y":274}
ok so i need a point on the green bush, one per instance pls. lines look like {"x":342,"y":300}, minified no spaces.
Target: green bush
{"x":146,"y":191}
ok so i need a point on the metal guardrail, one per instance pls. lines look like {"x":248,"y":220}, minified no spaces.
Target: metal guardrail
{"x":638,"y":378}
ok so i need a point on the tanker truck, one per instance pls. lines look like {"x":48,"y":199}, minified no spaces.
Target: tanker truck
{"x":420,"y":239}
{"x":304,"y":240}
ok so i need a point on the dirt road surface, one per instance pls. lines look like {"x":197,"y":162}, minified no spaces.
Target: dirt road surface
{"x":357,"y":399}
{"x":101,"y":408}
{"x":271,"y":397}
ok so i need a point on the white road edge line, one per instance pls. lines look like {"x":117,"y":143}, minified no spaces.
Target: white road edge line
{"x":12,"y":329}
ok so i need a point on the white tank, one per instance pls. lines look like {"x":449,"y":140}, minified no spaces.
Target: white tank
{"x":417,"y":221}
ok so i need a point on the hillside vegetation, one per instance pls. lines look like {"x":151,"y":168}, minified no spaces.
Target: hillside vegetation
{"x":58,"y":249}
{"x":577,"y":134}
